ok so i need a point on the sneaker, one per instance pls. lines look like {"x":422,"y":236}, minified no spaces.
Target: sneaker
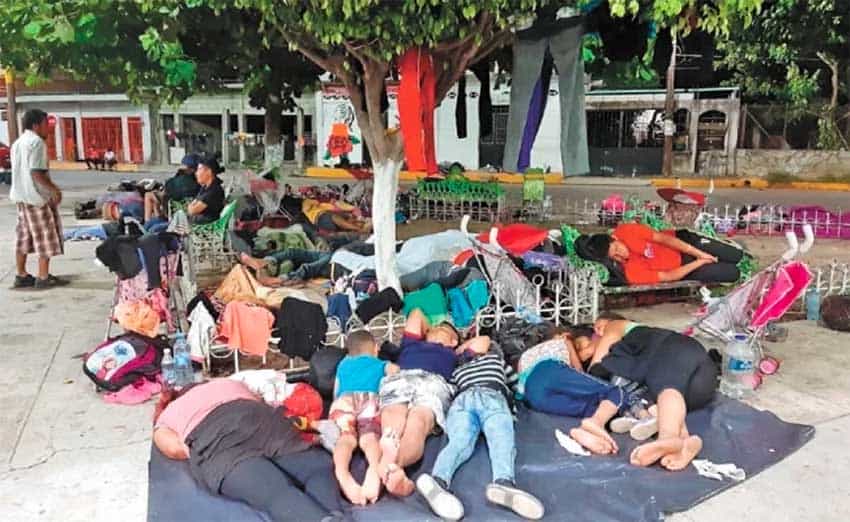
{"x":442,"y":502}
{"x":26,"y":281}
{"x":644,"y":429}
{"x":50,"y":282}
{"x":623,"y":424}
{"x":504,"y":493}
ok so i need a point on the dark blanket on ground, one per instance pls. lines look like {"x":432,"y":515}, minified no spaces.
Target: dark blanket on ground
{"x":571,"y":487}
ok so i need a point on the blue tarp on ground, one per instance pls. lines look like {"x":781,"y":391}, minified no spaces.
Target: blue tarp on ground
{"x":571,"y":487}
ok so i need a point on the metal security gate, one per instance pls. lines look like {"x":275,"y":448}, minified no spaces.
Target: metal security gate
{"x":69,"y":139}
{"x":102,"y":134}
{"x":625,"y":142}
{"x":134,"y":133}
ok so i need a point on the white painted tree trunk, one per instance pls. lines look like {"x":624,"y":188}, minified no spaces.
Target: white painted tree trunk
{"x":383,"y":221}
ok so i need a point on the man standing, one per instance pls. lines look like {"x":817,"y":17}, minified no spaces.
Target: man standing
{"x":39,"y":229}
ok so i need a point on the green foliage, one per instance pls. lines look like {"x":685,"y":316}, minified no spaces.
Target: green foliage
{"x":779,"y":54}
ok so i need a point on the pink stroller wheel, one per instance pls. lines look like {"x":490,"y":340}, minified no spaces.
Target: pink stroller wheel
{"x":769,"y":365}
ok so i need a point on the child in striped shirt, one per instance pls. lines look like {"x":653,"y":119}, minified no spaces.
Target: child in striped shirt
{"x":483,"y":403}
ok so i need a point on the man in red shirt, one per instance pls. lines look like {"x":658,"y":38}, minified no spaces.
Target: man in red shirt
{"x":649,"y":257}
{"x":93,"y":159}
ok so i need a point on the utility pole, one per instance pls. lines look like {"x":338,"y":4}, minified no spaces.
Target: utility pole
{"x":11,"y":106}
{"x":669,"y":109}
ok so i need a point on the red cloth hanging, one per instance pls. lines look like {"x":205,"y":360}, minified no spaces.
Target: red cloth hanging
{"x":416,"y":104}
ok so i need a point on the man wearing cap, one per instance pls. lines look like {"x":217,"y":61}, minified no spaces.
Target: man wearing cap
{"x":181,"y":186}
{"x":209,"y":201}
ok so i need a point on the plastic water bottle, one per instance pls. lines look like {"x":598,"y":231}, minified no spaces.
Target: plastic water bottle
{"x":182,"y":362}
{"x":813,"y":304}
{"x":739,"y":366}
{"x":167,"y":367}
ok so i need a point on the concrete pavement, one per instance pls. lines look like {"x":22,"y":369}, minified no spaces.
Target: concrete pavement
{"x":65,"y":455}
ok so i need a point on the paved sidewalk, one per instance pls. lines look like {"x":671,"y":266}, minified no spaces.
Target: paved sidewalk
{"x":65,"y":455}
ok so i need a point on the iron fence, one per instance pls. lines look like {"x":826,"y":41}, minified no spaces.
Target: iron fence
{"x":765,"y":219}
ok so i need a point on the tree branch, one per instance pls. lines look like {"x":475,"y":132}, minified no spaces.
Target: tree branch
{"x":453,"y":68}
{"x":499,"y":40}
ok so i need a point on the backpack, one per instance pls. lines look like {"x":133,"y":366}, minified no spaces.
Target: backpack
{"x":122,"y":360}
{"x":323,"y":365}
{"x":835,"y":312}
{"x":515,"y":336}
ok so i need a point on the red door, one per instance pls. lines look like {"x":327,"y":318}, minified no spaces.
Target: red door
{"x":134,"y":132}
{"x":51,"y":139}
{"x":102,"y":134}
{"x":69,"y":145}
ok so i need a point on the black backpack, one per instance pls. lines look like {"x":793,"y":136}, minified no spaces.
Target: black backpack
{"x":323,"y":365}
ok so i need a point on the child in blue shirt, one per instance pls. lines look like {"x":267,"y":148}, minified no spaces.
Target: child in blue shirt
{"x":356,"y":412}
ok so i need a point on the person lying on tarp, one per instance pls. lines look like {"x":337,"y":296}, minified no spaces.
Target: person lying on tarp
{"x":239,"y":447}
{"x":680,"y":376}
{"x":552,"y":380}
{"x":416,"y":399}
{"x":644,"y":256}
{"x":334,"y":217}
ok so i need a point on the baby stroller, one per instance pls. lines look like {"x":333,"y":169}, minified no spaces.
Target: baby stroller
{"x":512,"y":290}
{"x":765,"y":297}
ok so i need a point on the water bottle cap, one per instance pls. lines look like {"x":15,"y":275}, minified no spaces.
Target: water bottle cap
{"x":741,"y":337}
{"x":167,"y":351}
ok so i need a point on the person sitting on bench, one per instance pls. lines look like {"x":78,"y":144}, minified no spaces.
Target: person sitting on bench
{"x":93,"y":159}
{"x":649,"y":257}
{"x":109,"y":159}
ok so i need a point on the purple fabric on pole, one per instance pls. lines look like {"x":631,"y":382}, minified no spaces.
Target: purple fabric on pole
{"x":535,"y":113}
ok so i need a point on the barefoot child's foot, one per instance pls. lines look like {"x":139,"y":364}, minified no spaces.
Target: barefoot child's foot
{"x":679,"y":461}
{"x":397,"y":482}
{"x":590,"y":426}
{"x":649,"y":453}
{"x":352,"y":491}
{"x":251,"y":262}
{"x":372,"y":485}
{"x":591,"y":442}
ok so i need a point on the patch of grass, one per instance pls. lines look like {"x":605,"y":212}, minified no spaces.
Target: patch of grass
{"x":780,"y":178}
{"x":834,"y":178}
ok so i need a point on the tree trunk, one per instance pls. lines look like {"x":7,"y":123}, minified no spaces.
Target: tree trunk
{"x":273,"y":145}
{"x":385,"y":190}
{"x":11,"y":106}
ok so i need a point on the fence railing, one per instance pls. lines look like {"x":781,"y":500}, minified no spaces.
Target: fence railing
{"x":761,"y":219}
{"x":833,"y":279}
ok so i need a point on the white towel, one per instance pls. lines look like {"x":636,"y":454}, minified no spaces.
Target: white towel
{"x":709,"y":469}
{"x":569,"y":444}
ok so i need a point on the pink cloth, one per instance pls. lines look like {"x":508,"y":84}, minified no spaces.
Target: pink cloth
{"x":247,"y":327}
{"x":824,"y":223}
{"x":614,"y":203}
{"x":159,"y":302}
{"x":138,"y":392}
{"x":790,"y":282}
{"x":186,"y":412}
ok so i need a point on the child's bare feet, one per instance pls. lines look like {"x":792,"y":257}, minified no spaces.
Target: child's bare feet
{"x":599,"y":431}
{"x":252,"y":262}
{"x":351,"y":489}
{"x":397,"y":482}
{"x":679,"y":461}
{"x":372,"y":485}
{"x":649,"y":453}
{"x":591,"y":442}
